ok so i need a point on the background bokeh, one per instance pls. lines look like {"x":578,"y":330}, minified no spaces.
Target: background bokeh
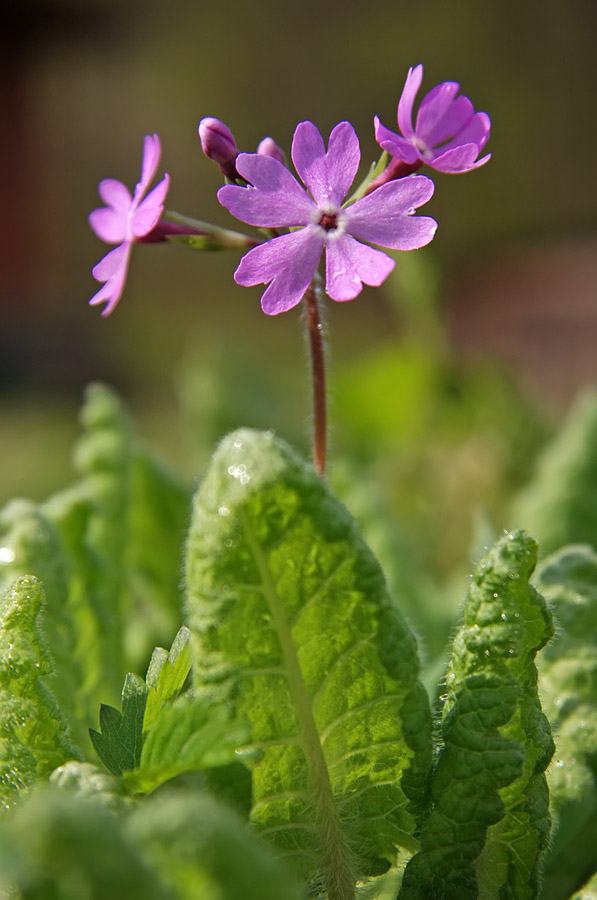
{"x":448,"y":378}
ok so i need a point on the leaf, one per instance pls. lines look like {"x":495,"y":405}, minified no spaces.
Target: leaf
{"x":34,"y":737}
{"x":121,"y":527}
{"x":568,"y":580}
{"x":58,"y":846}
{"x":588,"y":891}
{"x":187,"y":736}
{"x":490,"y":821}
{"x":36,"y":549}
{"x":87,"y":781}
{"x":166,"y":675}
{"x":203,"y":850}
{"x":119,"y":742}
{"x":292,"y":622}
{"x":559,"y":506}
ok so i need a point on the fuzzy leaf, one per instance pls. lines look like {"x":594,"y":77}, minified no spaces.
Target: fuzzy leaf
{"x":119,"y":742}
{"x":34,"y":736}
{"x":292,"y":622}
{"x":490,"y":819}
{"x":568,"y":580}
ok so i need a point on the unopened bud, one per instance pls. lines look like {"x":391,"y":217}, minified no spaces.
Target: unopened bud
{"x":217,"y":142}
{"x":268,"y":147}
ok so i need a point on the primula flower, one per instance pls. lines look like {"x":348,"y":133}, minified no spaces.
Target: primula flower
{"x":275,"y":199}
{"x":126,"y":220}
{"x":448,"y":136}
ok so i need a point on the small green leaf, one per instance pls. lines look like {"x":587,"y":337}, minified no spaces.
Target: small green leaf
{"x":189,"y":735}
{"x":166,"y":675}
{"x":119,"y":741}
{"x":490,"y":821}
{"x":293,"y":624}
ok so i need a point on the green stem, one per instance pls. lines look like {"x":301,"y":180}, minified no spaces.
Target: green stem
{"x":315,"y":330}
{"x":224,"y":236}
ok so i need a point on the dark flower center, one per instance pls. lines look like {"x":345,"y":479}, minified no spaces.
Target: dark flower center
{"x":328,"y":221}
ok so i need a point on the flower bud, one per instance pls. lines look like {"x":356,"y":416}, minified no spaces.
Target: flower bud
{"x":217,"y":142}
{"x":268,"y":147}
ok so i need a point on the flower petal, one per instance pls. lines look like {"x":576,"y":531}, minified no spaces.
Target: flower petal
{"x":110,"y":225}
{"x":152,"y":151}
{"x":385,"y":216}
{"x":349,"y":264}
{"x":328,"y":176}
{"x":405,"y":104}
{"x":459,"y":159}
{"x":442,"y":114}
{"x":476,"y":131}
{"x":147,"y":214}
{"x":112,"y":269}
{"x":273,"y":199}
{"x":115,"y":194}
{"x":289,"y":262}
{"x":396,"y":145}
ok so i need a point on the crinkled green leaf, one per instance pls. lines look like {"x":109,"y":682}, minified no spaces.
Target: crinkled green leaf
{"x":559,"y":506}
{"x":568,"y":670}
{"x":186,"y":736}
{"x":120,"y":739}
{"x":292,"y":622}
{"x":35,"y":545}
{"x":490,"y":819}
{"x":166,"y":675}
{"x":34,"y":736}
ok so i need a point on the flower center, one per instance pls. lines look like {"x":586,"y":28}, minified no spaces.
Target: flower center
{"x":422,"y":147}
{"x":328,"y":221}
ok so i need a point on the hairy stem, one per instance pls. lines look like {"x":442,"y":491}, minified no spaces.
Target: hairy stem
{"x":315,"y":330}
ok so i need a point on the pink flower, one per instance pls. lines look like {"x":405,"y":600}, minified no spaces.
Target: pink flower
{"x":448,"y":136}
{"x":275,"y":199}
{"x":125,"y":220}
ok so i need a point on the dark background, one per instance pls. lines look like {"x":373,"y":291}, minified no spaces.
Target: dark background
{"x":82,"y":82}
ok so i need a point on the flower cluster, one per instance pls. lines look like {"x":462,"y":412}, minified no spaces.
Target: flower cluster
{"x":300,"y":220}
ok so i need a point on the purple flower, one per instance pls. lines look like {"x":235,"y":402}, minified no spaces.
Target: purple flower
{"x":126,"y":220}
{"x":275,"y":199}
{"x":449,"y":135}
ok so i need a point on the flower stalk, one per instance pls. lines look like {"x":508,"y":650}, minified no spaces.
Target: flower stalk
{"x":317,"y":350}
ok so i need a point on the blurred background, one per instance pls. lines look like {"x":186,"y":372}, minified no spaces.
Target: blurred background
{"x":444,"y":384}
